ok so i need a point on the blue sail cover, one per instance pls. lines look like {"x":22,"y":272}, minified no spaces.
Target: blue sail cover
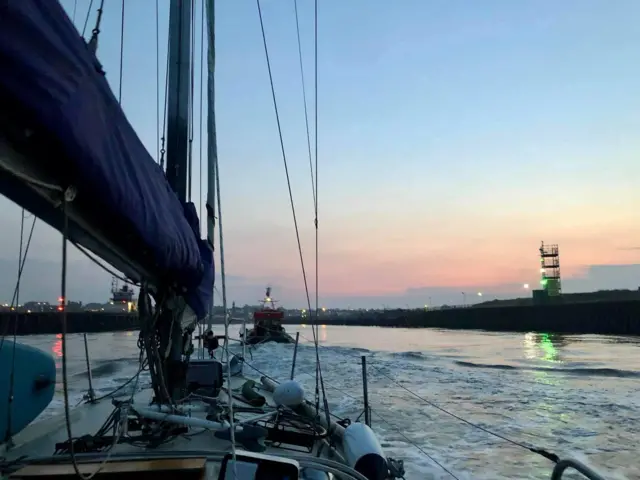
{"x":199,"y":299}
{"x":47,"y":69}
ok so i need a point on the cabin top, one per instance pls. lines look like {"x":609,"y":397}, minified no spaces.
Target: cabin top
{"x":269,"y":315}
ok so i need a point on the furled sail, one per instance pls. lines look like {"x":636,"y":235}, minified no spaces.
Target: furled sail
{"x":61,"y":126}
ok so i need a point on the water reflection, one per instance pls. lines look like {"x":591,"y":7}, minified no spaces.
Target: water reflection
{"x":323,"y":333}
{"x":57,"y":346}
{"x":56,"y":349}
{"x":544,"y":346}
{"x":126,"y":333}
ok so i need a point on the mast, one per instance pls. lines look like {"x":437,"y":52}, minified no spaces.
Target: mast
{"x":178,"y":95}
{"x":179,"y":83}
{"x":212,"y":142}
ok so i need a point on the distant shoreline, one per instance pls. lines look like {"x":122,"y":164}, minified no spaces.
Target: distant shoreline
{"x":599,"y":317}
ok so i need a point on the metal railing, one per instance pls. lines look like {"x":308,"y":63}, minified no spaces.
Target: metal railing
{"x":562,"y":465}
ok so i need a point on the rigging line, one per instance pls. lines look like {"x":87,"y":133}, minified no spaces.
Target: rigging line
{"x":75,"y":7}
{"x":116,"y":390}
{"x":21,"y":269}
{"x":134,"y":390}
{"x":157,"y":82}
{"x":313,"y":185}
{"x":15,"y":325}
{"x":113,"y":273}
{"x":315,"y":108}
{"x":210,"y":10}
{"x":67,"y":196}
{"x":392,"y":425}
{"x":202,"y":26}
{"x":301,"y":373}
{"x":121,"y":54}
{"x":93,"y":41}
{"x":20,"y":256}
{"x":415,"y":445}
{"x":142,"y":363}
{"x":226,"y":312}
{"x":304,"y":98}
{"x":86,"y":19}
{"x":540,"y":451}
{"x":315,"y":88}
{"x":286,"y":171}
{"x":550,"y":456}
{"x":192,"y":76}
{"x":166,"y":103}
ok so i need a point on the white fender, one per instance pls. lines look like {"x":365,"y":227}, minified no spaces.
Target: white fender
{"x":363,"y":452}
{"x":289,"y":393}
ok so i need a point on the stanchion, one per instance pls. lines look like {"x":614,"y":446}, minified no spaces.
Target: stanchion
{"x":365,"y":391}
{"x":91,"y":394}
{"x":295,"y":354}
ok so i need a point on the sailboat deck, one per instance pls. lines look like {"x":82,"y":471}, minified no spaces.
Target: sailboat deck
{"x":188,"y":469}
{"x":40,"y":439}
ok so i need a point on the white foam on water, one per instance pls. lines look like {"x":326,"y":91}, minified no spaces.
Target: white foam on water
{"x":565,"y":412}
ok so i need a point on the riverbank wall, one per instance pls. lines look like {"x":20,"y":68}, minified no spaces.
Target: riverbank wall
{"x":603,"y":318}
{"x":77,"y":322}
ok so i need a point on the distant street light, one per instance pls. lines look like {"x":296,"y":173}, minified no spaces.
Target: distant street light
{"x":526,"y":286}
{"x":479,"y":294}
{"x":464,"y":298}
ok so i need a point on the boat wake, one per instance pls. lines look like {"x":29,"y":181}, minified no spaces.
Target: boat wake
{"x":103,"y":368}
{"x":590,"y":372}
{"x":530,"y":404}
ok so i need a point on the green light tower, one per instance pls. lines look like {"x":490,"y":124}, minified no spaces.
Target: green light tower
{"x":550,"y":270}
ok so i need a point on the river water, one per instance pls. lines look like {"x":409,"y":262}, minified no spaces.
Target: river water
{"x":576,"y":395}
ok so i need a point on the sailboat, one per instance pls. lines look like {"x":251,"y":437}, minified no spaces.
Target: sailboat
{"x":64,"y":143}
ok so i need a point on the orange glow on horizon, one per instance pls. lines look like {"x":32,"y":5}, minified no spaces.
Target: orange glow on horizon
{"x":491,"y":245}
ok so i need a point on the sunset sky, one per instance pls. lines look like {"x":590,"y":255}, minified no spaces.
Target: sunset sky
{"x":453,"y":137}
